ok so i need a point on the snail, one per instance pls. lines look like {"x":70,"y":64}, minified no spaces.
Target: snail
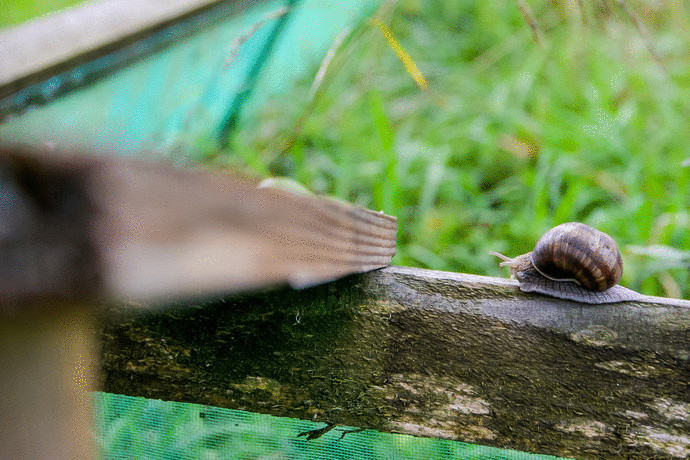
{"x":573,"y":261}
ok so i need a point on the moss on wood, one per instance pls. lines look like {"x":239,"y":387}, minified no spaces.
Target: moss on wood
{"x":377,"y":352}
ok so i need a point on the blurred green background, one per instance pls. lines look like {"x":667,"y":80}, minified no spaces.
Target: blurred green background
{"x":17,"y":11}
{"x":586,"y":119}
{"x":511,"y":137}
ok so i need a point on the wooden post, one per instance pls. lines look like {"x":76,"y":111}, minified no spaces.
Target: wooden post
{"x":47,"y":360}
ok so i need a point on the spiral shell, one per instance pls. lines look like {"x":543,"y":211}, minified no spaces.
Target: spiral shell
{"x":577,"y":252}
{"x":572,"y":261}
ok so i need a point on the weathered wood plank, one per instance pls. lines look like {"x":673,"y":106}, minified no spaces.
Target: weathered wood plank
{"x":428,"y":353}
{"x":652,"y":323}
{"x":79,"y":228}
{"x":42,"y":47}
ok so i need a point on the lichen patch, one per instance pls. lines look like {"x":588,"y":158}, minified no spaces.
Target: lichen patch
{"x":640,"y":370}
{"x":588,"y":428}
{"x":672,"y":410}
{"x":673,"y":444}
{"x":468,"y":405}
{"x":595,"y":335}
{"x":442,"y":403}
{"x":635,"y":415}
{"x":421,"y":430}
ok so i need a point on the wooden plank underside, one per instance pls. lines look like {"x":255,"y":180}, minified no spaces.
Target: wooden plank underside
{"x":79,"y":228}
{"x":427,"y":353}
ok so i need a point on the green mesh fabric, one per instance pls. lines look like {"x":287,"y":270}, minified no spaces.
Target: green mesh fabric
{"x":138,"y":428}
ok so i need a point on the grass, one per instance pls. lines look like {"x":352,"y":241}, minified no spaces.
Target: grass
{"x":512,"y":136}
{"x":19,"y":11}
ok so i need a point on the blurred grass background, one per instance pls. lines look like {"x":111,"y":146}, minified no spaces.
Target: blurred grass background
{"x":512,"y":136}
{"x":583,"y":117}
{"x":17,"y":11}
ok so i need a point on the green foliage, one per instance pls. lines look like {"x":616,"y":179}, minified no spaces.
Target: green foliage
{"x":511,"y":138}
{"x":17,"y":11}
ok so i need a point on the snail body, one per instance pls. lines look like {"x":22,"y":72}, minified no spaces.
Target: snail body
{"x":572,"y":261}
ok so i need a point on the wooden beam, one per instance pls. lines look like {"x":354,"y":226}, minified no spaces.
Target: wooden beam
{"x":648,"y":323}
{"x":43,"y":47}
{"x":428,"y":353}
{"x":79,"y":228}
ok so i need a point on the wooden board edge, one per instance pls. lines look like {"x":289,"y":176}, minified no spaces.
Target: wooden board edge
{"x":46,"y":46}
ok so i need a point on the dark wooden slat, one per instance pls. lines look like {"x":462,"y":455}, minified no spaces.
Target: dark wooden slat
{"x":79,"y":227}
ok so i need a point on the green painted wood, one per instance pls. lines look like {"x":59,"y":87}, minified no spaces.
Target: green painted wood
{"x":175,"y":101}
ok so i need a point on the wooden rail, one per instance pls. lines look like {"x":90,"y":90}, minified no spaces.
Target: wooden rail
{"x":427,"y":353}
{"x":32,"y":52}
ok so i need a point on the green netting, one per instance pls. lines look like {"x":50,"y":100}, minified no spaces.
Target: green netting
{"x":131,"y":427}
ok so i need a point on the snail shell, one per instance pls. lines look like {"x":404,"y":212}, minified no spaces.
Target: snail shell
{"x":572,"y":261}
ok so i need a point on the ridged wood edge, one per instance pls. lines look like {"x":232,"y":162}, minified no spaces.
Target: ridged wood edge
{"x":152,"y":231}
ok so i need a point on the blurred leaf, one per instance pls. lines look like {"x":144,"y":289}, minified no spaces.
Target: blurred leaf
{"x":665,"y":257}
{"x":407,"y":61}
{"x":386,"y":188}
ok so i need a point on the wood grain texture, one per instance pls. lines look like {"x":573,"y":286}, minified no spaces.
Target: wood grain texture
{"x":656,"y":323}
{"x":80,"y":227}
{"x":166,"y":233}
{"x":427,"y":353}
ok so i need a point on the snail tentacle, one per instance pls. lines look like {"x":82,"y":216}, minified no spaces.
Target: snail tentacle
{"x":506,"y":260}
